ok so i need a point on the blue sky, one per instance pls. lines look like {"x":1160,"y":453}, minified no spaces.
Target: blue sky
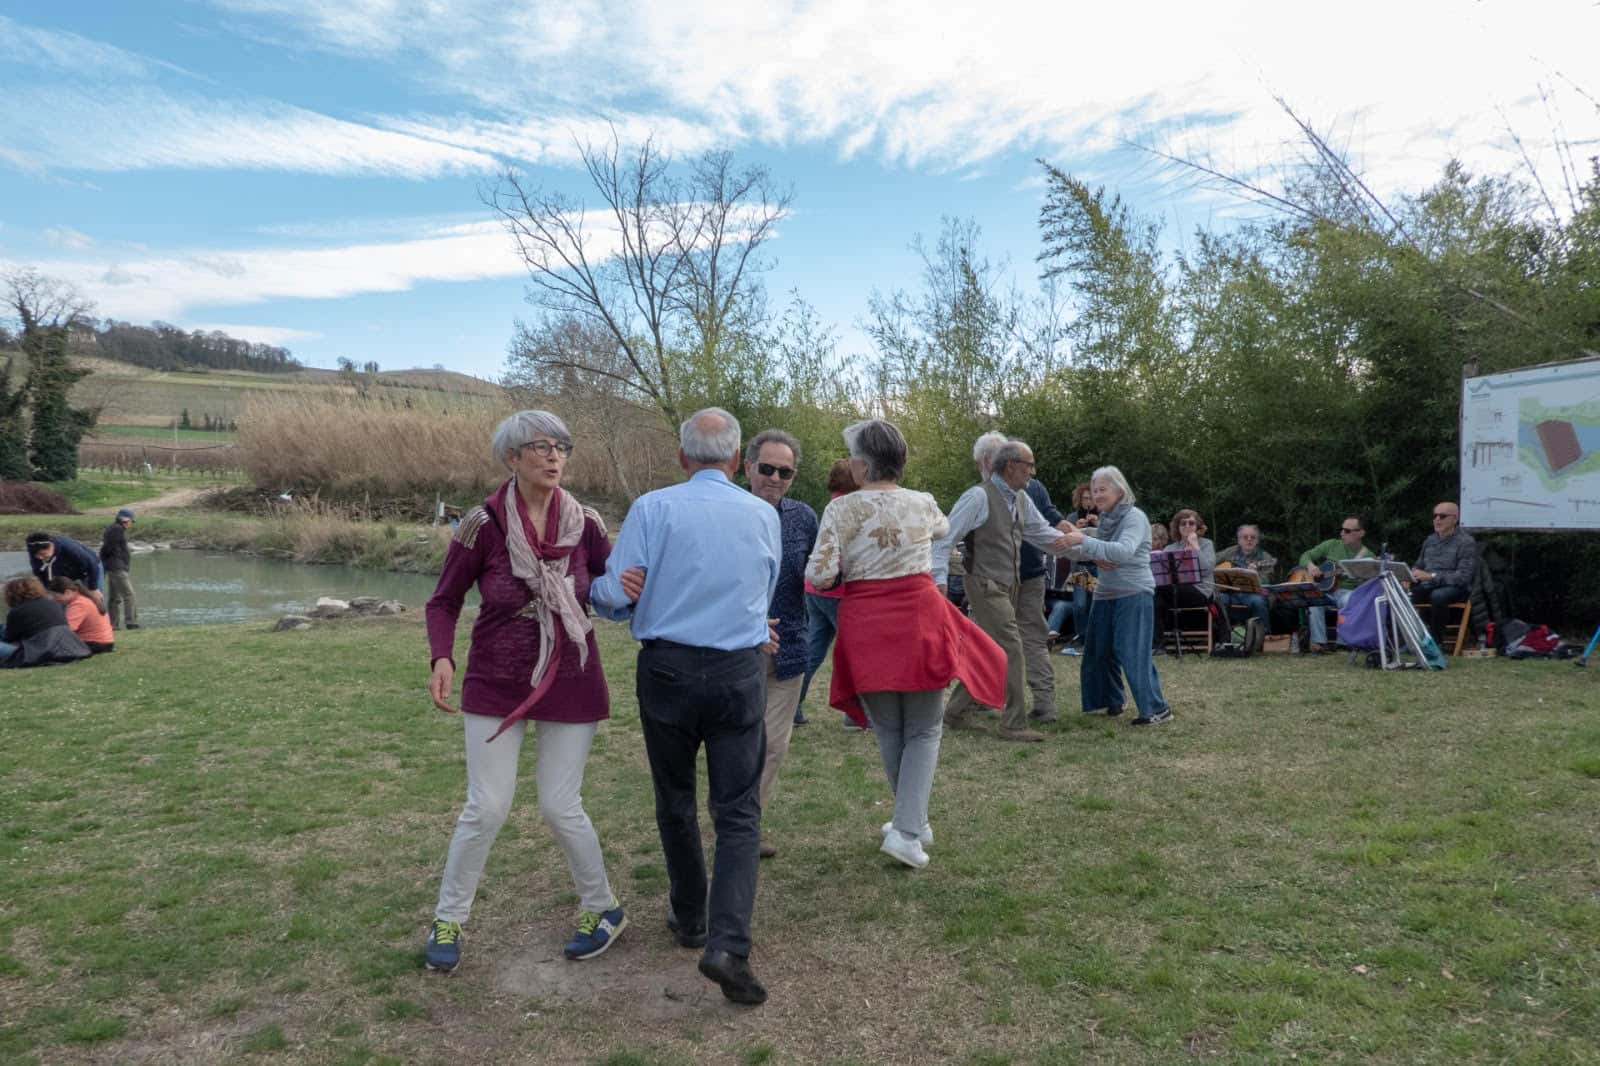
{"x":307,"y":173}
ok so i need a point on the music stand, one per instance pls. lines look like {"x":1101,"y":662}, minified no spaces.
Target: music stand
{"x":1175,"y":569}
{"x":1299,"y":595}
{"x":1364,"y":570}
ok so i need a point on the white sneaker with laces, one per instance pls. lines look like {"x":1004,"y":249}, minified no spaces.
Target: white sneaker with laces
{"x":925,"y":838}
{"x":907,"y":849}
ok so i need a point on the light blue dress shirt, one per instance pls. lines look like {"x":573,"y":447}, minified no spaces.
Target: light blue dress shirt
{"x":710,"y":552}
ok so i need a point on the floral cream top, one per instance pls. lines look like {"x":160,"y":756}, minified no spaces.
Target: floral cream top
{"x":872,"y":534}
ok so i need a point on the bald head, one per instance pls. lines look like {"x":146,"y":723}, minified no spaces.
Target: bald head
{"x":1446,"y":517}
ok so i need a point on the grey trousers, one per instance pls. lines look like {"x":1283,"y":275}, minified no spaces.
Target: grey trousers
{"x":119,"y":591}
{"x":492,"y":781}
{"x":1035,"y":630}
{"x":908,"y":726}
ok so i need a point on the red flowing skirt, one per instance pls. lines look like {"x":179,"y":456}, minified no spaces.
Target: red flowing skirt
{"x":902,"y":634}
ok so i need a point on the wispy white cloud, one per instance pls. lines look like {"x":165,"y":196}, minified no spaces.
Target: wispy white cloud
{"x":276,"y":335}
{"x":145,"y":127}
{"x":172,"y":286}
{"x":68,"y":238}
{"x":950,"y":86}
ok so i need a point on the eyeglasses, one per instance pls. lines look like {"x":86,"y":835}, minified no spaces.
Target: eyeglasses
{"x":547,"y":447}
{"x":1344,"y":530}
{"x":1441,"y":514}
{"x":782,"y":473}
{"x":1189,"y":522}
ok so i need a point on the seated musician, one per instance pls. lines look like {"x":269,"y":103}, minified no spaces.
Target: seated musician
{"x":1158,"y":536}
{"x":1188,"y":532}
{"x":1347,"y":545}
{"x":1444,"y":569}
{"x":1247,"y":554}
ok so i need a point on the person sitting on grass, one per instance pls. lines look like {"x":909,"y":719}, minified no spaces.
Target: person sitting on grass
{"x":36,"y":631}
{"x":84,"y":618}
{"x":532,"y":549}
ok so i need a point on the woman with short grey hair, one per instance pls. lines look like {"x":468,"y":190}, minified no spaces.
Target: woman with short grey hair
{"x":531,"y":549}
{"x":900,"y":641}
{"x":1122,"y":618}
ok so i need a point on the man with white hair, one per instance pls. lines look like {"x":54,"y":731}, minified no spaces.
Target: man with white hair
{"x":992,"y":520}
{"x":694,"y":570}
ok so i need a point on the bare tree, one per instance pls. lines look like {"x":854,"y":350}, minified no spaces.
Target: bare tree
{"x":668,"y":267}
{"x":42,"y":302}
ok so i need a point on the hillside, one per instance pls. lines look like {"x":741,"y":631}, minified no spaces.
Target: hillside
{"x":129,"y":395}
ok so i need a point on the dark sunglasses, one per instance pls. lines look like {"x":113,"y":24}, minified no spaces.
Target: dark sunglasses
{"x":1441,"y":514}
{"x":783,"y":473}
{"x":1356,"y":530}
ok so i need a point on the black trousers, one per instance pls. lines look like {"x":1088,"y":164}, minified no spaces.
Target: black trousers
{"x":1434,"y":603}
{"x":688,"y":697}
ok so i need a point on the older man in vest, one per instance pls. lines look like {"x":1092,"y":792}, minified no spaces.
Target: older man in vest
{"x":991,"y":521}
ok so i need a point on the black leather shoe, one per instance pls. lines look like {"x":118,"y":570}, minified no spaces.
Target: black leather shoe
{"x":693,"y":936}
{"x":733,"y":974}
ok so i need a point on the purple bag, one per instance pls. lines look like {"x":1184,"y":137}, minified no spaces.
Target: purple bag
{"x":1358,"y":618}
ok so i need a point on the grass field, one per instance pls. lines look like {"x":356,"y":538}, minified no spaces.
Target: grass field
{"x":160,"y":434}
{"x":224,"y":844}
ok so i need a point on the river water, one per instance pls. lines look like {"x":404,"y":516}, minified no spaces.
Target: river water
{"x":198,"y":588}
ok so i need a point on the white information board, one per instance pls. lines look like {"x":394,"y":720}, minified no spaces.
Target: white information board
{"x":1530,"y":448}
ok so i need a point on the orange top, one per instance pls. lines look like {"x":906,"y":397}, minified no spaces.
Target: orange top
{"x":86,"y":620}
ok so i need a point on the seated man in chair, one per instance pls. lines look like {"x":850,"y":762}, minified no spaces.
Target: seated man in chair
{"x":1346,"y":546}
{"x":1444,"y":569}
{"x":1246,"y":553}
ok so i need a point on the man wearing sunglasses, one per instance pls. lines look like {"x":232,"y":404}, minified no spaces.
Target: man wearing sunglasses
{"x":1347,"y":545}
{"x":1445,"y":568}
{"x":771,"y":461}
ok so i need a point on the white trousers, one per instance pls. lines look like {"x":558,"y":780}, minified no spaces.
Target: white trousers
{"x":491,"y":783}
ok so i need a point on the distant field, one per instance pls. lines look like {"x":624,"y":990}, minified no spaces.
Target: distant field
{"x":104,"y":432}
{"x":131,"y":396}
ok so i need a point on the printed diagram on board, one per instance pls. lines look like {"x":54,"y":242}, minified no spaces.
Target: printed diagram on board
{"x":1559,"y":443}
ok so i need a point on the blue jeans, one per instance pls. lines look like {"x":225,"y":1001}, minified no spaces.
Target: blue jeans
{"x":822,"y":622}
{"x":1253,"y":602}
{"x":1058,"y":615}
{"x":1319,"y":616}
{"x":8,"y":650}
{"x":1118,"y":642}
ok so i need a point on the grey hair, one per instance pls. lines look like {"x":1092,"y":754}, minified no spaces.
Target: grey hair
{"x":710,"y":435}
{"x":1244,"y":526}
{"x":752,"y":451}
{"x":880,"y":445}
{"x":1120,"y":483}
{"x":518,"y":429}
{"x":1009,"y":452}
{"x":984,"y":447}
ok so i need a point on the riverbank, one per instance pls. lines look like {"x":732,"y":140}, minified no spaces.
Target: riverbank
{"x":305,"y":538}
{"x":225,"y":842}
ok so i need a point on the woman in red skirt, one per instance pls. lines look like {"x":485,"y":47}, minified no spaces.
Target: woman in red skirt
{"x":900,"y":642}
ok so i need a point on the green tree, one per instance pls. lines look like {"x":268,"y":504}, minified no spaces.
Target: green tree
{"x":47,"y":309}
{"x":14,"y":465}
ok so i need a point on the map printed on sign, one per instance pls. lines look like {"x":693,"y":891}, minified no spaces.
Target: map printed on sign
{"x":1530,"y":448}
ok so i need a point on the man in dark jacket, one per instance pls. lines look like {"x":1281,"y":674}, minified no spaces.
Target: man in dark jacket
{"x":114,"y":557}
{"x":1444,"y":569}
{"x":53,"y":556}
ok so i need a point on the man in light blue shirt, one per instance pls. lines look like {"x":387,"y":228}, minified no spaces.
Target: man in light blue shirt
{"x":694,"y":569}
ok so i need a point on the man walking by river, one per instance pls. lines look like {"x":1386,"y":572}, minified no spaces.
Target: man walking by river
{"x":115,"y":558}
{"x":694,"y":570}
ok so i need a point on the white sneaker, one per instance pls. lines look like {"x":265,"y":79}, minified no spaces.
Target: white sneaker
{"x":907,"y":850}
{"x":925,"y":838}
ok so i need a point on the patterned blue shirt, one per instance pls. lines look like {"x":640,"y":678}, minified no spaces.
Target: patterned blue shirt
{"x":799,"y":524}
{"x":710,"y":553}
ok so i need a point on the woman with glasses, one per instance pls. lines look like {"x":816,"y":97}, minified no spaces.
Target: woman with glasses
{"x":532,"y":550}
{"x":1122,"y":617}
{"x":1187,"y":532}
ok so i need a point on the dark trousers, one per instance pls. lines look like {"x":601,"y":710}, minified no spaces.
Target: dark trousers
{"x":1434,"y":603}
{"x":693,"y":696}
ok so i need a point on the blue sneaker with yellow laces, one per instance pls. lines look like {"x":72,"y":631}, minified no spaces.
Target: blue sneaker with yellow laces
{"x":443,"y":951}
{"x":597,"y":930}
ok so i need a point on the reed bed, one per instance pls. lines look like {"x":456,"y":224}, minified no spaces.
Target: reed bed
{"x":338,"y":444}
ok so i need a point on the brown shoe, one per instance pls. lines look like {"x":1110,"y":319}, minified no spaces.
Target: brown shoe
{"x":768,"y":848}
{"x":1026,"y":736}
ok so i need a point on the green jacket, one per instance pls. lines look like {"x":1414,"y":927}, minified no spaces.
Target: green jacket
{"x":1333,"y":551}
